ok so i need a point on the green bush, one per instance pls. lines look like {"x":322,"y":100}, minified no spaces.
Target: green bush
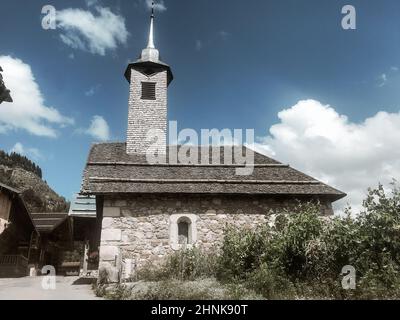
{"x":303,"y":254}
{"x":176,"y":290}
{"x":270,"y":284}
{"x":242,"y":251}
{"x":186,"y":264}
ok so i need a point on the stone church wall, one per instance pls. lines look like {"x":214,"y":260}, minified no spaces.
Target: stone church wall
{"x":141,"y":229}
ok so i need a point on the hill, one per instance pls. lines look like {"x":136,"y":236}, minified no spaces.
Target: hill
{"x":22,"y":174}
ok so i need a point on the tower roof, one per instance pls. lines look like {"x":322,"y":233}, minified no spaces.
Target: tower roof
{"x":150,"y":56}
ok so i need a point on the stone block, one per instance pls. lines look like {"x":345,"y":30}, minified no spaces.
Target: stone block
{"x":111,"y":235}
{"x":108,"y":253}
{"x":107,"y":223}
{"x":111,"y":212}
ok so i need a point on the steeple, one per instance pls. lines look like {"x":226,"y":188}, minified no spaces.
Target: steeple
{"x":149,"y":79}
{"x":150,"y":44}
{"x":151,"y":53}
{"x":149,"y":60}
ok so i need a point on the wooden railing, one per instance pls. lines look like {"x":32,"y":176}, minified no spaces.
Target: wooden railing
{"x":13,"y":260}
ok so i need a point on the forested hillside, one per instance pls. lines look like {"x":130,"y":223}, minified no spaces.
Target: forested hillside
{"x":24,"y":175}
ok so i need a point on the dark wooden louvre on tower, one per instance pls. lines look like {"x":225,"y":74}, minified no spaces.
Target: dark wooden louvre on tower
{"x":148,"y":91}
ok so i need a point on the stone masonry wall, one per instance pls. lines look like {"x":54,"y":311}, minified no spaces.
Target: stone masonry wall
{"x":137,"y":229}
{"x":146,"y":114}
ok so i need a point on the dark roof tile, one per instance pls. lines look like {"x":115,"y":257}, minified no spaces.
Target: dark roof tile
{"x":111,"y":170}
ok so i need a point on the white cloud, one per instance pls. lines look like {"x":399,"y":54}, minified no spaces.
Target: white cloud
{"x":382,"y":80}
{"x":91,"y":3}
{"x":92,"y":90}
{"x":93,"y":32}
{"x":159,"y":5}
{"x":315,"y":139}
{"x":28,"y":111}
{"x":99,"y":129}
{"x":33,"y":153}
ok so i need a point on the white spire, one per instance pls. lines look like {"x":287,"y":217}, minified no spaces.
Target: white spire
{"x":150,"y":44}
{"x":151,"y":53}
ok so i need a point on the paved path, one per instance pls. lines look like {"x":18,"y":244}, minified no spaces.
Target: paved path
{"x":31,"y":289}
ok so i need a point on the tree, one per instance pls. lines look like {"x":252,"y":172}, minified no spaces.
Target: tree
{"x":14,"y":160}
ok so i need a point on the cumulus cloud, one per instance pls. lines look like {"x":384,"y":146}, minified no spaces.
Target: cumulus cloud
{"x":158,"y":6}
{"x":316,"y":139}
{"x":98,"y":129}
{"x":95,"y":32}
{"x":33,"y":153}
{"x":28,"y":111}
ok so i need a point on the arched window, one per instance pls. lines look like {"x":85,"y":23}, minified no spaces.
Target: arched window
{"x":183,"y":233}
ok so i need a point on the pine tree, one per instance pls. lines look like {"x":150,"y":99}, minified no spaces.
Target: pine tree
{"x":15,"y":160}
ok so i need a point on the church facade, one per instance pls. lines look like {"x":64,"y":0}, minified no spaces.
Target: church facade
{"x":149,"y":210}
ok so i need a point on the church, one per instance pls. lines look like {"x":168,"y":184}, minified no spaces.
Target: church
{"x":149,"y":210}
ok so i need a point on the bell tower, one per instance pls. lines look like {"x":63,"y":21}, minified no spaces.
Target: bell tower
{"x":149,"y":79}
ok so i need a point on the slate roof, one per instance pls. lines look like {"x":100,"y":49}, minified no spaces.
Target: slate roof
{"x":48,"y":222}
{"x":83,"y":206}
{"x":110,"y":170}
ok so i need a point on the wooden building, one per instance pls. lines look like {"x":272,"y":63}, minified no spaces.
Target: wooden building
{"x":19,"y":239}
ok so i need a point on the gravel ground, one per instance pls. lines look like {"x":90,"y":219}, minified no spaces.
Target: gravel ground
{"x":31,"y":289}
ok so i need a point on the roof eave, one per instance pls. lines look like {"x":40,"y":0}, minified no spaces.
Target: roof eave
{"x":145,"y":64}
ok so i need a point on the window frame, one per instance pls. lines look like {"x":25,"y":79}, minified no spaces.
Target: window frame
{"x":191,"y":220}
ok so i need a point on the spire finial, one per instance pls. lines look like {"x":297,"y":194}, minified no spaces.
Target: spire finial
{"x":150,"y":44}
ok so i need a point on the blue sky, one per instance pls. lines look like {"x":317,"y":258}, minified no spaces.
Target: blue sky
{"x":237,"y":64}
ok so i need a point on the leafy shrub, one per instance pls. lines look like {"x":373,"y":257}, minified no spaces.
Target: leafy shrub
{"x":187,"y":264}
{"x":294,"y":244}
{"x":303,"y":254}
{"x":176,"y":290}
{"x":241,"y":252}
{"x":270,"y":283}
